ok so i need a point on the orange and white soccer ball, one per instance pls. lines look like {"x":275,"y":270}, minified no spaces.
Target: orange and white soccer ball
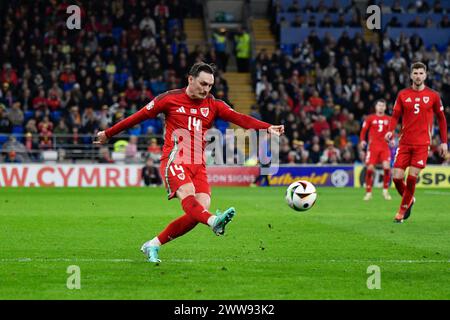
{"x":301,"y":195}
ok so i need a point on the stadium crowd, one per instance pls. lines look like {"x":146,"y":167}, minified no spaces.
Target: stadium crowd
{"x":57,"y":81}
{"x":324,"y":88}
{"x":72,"y":83}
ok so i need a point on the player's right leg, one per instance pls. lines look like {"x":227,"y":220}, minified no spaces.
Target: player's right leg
{"x":370,"y":170}
{"x":386,"y":179}
{"x":415,"y":158}
{"x":401,"y":162}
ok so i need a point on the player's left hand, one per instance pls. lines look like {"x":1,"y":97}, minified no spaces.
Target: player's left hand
{"x":278,"y":130}
{"x":101,"y":138}
{"x":444,"y":150}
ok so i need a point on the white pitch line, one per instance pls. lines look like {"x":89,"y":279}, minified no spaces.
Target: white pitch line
{"x":439,"y":193}
{"x":13,"y":260}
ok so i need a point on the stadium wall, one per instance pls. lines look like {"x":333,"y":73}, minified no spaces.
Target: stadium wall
{"x":433,"y":176}
{"x":75,"y":175}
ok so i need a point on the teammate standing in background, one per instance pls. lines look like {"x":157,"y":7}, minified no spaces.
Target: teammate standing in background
{"x":416,"y":106}
{"x":189,"y":113}
{"x":377,"y":148}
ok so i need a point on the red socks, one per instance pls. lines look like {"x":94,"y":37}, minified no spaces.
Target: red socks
{"x":386,"y":178}
{"x":409,"y":193}
{"x":177,"y":228}
{"x":195,"y":210}
{"x":194,"y":213}
{"x":369,"y":180}
{"x":400,"y":186}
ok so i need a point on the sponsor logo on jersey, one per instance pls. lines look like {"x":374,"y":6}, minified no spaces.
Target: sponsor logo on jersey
{"x":420,"y":162}
{"x":417,"y":99}
{"x":408,"y":100}
{"x":193,"y":111}
{"x":204,"y":111}
{"x":150,"y":105}
{"x":426,"y":99}
{"x":181,"y":110}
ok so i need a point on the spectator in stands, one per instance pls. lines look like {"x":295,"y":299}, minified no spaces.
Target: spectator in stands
{"x":326,"y":22}
{"x":19,"y":149}
{"x":11,"y":157}
{"x":394,"y":23}
{"x":220,"y":47}
{"x":104,"y":155}
{"x":131,"y":150}
{"x":243,"y":49}
{"x":416,"y":23}
{"x":398,"y":63}
{"x":16,"y":116}
{"x":331,"y":155}
{"x":150,"y":174}
{"x":445,"y":23}
{"x":297,"y":22}
{"x":340,"y":22}
{"x":397,"y":7}
{"x":154,"y":150}
{"x":294,"y":7}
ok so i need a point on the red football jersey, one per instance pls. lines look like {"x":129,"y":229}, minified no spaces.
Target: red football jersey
{"x":377,"y":126}
{"x":186,"y":122}
{"x":416,"y":109}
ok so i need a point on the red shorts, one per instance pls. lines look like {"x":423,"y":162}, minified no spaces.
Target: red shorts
{"x":408,"y":155}
{"x":176,"y":175}
{"x":376,"y":156}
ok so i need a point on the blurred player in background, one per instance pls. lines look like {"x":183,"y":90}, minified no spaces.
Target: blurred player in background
{"x":377,"y":148}
{"x":189,"y":113}
{"x":416,"y":106}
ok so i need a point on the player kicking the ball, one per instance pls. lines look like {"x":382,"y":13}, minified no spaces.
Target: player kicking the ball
{"x":189,"y":113}
{"x":377,"y":149}
{"x":416,"y":106}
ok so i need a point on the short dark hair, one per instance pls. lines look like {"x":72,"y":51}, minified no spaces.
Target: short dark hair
{"x":202,"y":66}
{"x":381,"y":100}
{"x":418,"y":65}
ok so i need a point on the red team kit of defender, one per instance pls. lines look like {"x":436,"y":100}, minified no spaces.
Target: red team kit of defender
{"x":378,"y":151}
{"x":416,"y":106}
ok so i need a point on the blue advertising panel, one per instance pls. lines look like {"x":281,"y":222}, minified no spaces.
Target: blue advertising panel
{"x":325,"y":176}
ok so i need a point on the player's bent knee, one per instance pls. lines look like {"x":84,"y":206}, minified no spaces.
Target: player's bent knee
{"x":186,"y":190}
{"x":204,"y":200}
{"x":413,"y":171}
{"x":398,"y":173}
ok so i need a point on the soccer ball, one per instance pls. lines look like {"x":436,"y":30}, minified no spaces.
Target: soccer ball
{"x":301,"y":195}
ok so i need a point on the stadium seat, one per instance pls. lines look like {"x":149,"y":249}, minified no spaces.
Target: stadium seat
{"x":117,"y":33}
{"x":55,"y":116}
{"x":28,"y":115}
{"x":17,"y":131}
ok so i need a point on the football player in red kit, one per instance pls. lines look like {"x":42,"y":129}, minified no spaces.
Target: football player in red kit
{"x":416,"y":106}
{"x":189,"y":113}
{"x":377,"y":148}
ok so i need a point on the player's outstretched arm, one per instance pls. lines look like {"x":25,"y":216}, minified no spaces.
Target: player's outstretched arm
{"x":151,"y":110}
{"x":225,"y":112}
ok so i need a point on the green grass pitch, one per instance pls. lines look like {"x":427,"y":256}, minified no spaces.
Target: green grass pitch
{"x":269,"y":251}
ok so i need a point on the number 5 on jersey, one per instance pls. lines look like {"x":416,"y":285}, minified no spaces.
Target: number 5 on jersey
{"x":416,"y":108}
